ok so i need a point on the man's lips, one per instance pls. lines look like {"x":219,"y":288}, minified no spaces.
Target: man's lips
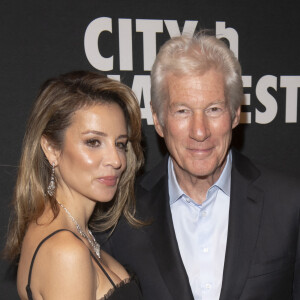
{"x":108,"y":180}
{"x":201,"y":152}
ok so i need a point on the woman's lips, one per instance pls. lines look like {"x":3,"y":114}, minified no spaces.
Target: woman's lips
{"x":108,"y":180}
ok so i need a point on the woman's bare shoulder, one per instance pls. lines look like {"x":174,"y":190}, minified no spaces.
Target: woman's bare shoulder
{"x":63,"y":268}
{"x":64,"y":241}
{"x":64,"y":250}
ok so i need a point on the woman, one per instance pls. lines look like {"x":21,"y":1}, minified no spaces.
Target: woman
{"x":81,"y":150}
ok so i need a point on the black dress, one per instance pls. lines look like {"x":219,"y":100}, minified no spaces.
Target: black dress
{"x":126,"y":289}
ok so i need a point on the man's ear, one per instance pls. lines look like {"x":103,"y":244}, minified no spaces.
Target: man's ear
{"x":50,"y":150}
{"x":157,"y":125}
{"x":236,"y":119}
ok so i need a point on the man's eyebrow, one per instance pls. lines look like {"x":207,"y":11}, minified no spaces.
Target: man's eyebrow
{"x":218,"y":102}
{"x":178,"y":104}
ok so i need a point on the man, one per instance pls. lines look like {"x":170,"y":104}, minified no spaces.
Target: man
{"x":220,"y":226}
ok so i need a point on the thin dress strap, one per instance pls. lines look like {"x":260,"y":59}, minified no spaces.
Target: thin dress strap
{"x":103,"y":270}
{"x":28,"y":289}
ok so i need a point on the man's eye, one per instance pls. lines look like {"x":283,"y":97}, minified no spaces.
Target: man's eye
{"x":215,"y":110}
{"x":182,"y":111}
{"x":93,"y":143}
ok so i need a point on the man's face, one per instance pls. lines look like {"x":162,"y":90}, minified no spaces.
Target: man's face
{"x":197,"y":124}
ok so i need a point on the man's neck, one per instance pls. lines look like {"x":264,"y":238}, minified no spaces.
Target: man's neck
{"x":196,"y":187}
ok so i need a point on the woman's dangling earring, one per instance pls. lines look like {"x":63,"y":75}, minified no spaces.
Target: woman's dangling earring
{"x":52,"y":186}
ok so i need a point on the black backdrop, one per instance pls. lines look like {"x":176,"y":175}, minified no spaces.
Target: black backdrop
{"x":41,"y":39}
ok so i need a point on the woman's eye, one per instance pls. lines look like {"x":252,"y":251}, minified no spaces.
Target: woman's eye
{"x":93,"y":143}
{"x":122,"y":145}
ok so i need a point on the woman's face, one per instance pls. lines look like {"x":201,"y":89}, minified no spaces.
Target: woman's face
{"x":93,"y":156}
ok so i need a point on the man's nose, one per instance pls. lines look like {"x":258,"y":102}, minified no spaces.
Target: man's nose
{"x":199,"y":127}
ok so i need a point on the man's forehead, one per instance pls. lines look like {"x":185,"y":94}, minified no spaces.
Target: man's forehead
{"x":209,"y":86}
{"x":196,"y":80}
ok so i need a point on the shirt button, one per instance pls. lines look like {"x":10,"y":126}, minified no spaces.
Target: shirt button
{"x":208,"y":286}
{"x":205,"y":249}
{"x":204,"y":213}
{"x":187,"y":200}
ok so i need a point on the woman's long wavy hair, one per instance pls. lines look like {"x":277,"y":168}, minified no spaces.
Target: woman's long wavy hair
{"x":52,"y":113}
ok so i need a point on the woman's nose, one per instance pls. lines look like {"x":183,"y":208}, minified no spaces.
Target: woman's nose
{"x":112,"y":157}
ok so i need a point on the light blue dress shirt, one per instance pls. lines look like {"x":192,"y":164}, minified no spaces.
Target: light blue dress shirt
{"x":201,"y":232}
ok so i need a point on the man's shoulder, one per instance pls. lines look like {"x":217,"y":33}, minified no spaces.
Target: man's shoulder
{"x":151,"y":190}
{"x":153,"y":176}
{"x":265,"y":175}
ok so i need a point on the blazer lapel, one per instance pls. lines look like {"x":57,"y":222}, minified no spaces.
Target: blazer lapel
{"x":162,"y":234}
{"x":246,"y":204}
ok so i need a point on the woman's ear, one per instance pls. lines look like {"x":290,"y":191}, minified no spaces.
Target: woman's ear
{"x":50,"y":151}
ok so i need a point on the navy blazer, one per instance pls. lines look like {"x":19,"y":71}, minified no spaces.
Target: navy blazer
{"x":262,"y":259}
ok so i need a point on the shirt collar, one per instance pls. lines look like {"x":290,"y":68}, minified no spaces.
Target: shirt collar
{"x":223,"y":183}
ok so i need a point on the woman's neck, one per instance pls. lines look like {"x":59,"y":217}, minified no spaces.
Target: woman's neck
{"x":77,"y":208}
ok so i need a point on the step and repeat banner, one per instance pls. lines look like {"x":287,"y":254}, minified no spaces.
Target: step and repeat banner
{"x":42,"y":39}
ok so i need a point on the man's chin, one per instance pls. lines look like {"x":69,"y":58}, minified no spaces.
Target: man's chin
{"x":202,"y":170}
